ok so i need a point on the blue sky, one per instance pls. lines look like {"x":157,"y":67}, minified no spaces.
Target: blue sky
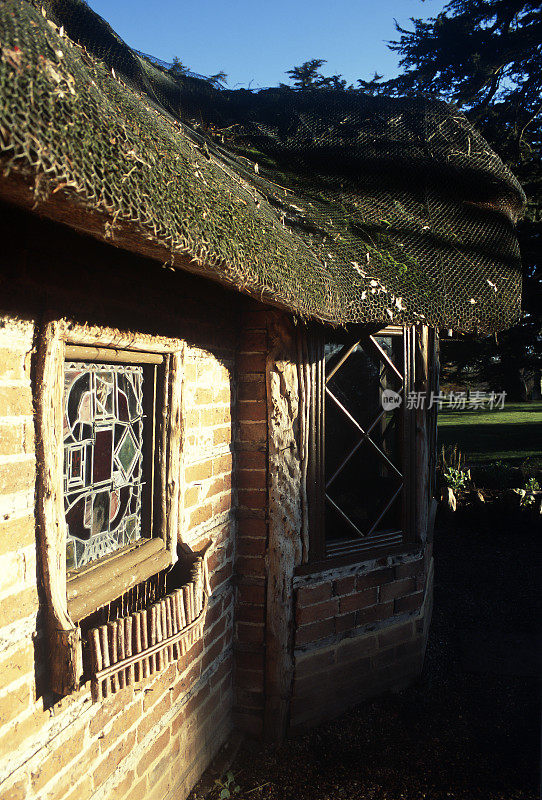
{"x":256,"y":42}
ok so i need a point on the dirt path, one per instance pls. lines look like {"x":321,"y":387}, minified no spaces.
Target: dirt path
{"x":469,"y":728}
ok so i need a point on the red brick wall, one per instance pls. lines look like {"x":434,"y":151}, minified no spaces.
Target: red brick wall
{"x":158,"y":735}
{"x":250,"y":565}
{"x":359,"y":630}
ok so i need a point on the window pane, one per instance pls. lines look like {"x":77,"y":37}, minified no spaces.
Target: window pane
{"x":356,"y":385}
{"x":363,"y":445}
{"x":392,"y":346}
{"x":362,"y":491}
{"x":104,"y":429}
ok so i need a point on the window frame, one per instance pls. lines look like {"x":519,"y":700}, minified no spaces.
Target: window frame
{"x":316,"y":478}
{"x":70,"y":600}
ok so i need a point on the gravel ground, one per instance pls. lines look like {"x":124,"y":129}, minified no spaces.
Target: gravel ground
{"x":469,"y":728}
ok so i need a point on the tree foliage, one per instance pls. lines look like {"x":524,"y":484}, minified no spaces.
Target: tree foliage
{"x":486,"y":57}
{"x":179,"y":70}
{"x":308,"y":76}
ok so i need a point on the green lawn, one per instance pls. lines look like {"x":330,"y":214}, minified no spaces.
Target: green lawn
{"x":505,"y":440}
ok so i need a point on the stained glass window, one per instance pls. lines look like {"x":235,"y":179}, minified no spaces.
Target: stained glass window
{"x":104,"y":433}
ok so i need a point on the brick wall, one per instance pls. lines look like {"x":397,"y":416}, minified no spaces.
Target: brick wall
{"x":250,"y":565}
{"x":159,"y":735}
{"x":360,"y":630}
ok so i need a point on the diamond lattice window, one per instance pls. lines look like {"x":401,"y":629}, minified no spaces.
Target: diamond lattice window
{"x":364,"y":442}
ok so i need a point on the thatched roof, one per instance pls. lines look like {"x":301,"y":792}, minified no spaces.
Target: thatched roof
{"x":335,"y":205}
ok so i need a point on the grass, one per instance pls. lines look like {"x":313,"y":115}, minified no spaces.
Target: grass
{"x":502,"y":447}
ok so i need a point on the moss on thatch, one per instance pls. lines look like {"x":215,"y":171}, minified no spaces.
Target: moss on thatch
{"x":319,"y":200}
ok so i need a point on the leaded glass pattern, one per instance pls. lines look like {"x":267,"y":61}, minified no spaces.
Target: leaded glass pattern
{"x":363,"y":458}
{"x":103,"y":459}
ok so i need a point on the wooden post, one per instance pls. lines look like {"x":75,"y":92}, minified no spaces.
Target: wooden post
{"x":153,"y":634}
{"x":187,"y":605}
{"x":65,"y":653}
{"x":315,"y":478}
{"x":137,"y":644}
{"x":197,"y":580}
{"x":128,"y":625}
{"x":112,"y":636}
{"x":285,"y":521}
{"x":105,"y":656}
{"x":97,"y":662}
{"x":191,"y":614}
{"x":166,"y":617}
{"x":422,"y":432}
{"x":433,"y":419}
{"x":172,"y":444}
{"x":174,"y":627}
{"x":160,"y":656}
{"x":121,"y":654}
{"x":179,"y":596}
{"x":145,"y":642}
{"x":162,"y":627}
{"x":180,"y":602}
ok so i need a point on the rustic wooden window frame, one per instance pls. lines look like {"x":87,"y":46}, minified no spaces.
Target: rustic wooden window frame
{"x":69,"y":601}
{"x":316,"y":466}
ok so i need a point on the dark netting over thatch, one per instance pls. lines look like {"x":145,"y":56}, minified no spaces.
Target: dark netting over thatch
{"x":340,"y":206}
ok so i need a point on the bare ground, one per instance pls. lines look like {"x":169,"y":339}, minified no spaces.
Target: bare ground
{"x":469,"y":728}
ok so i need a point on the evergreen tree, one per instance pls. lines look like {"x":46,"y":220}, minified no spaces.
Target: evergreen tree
{"x":308,"y":76}
{"x":486,"y":56}
{"x":179,"y":70}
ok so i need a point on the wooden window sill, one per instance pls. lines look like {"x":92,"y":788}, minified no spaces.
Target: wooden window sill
{"x":105,"y":582}
{"x":354,"y":558}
